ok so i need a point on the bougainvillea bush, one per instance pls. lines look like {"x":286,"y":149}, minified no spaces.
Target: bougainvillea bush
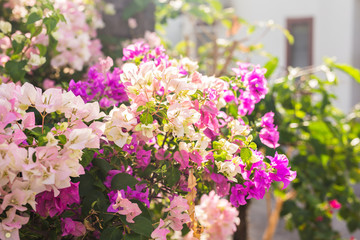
{"x":159,"y":158}
{"x":48,"y":39}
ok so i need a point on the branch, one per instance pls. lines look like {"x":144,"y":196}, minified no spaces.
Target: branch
{"x":215,"y":55}
{"x":275,"y":215}
{"x":231,"y":50}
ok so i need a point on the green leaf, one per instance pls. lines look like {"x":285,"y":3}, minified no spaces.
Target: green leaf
{"x":16,"y":70}
{"x":42,"y":49}
{"x":140,"y":108}
{"x":111,"y":233}
{"x":50,"y":24}
{"x":87,"y":157}
{"x":35,"y":31}
{"x":251,"y":29}
{"x":216,"y":4}
{"x":134,"y":236}
{"x":253,"y":145}
{"x":49,"y":6}
{"x":288,"y":35}
{"x":146,"y":118}
{"x":240,"y":137}
{"x":62,"y":139}
{"x":17,"y":47}
{"x":353,"y":72}
{"x":33,"y":17}
{"x":122,"y":180}
{"x":233,"y":110}
{"x":172,"y":176}
{"x":225,"y":78}
{"x":86,"y":184}
{"x":103,"y":165}
{"x":142,"y":226}
{"x":245,"y":154}
{"x":185,"y":230}
{"x":271,"y":65}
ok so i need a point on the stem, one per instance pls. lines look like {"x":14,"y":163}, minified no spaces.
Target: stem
{"x":215,"y":55}
{"x":166,"y":135}
{"x":231,"y":50}
{"x":275,"y":215}
{"x":42,"y":123}
{"x":268,"y":204}
{"x":242,"y":230}
{"x":187,"y":47}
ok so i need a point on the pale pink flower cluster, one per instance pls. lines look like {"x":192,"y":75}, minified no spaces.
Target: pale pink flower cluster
{"x":28,"y":167}
{"x":149,"y":84}
{"x":19,"y":8}
{"x":31,"y":53}
{"x":177,"y":216}
{"x":77,"y":42}
{"x":123,"y":206}
{"x":218,"y":217}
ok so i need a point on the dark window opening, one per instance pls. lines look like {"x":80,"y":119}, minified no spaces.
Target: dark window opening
{"x":300,"y":53}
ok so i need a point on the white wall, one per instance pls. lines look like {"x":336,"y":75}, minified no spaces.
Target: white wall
{"x":356,"y":52}
{"x":333,"y":32}
{"x":336,"y":34}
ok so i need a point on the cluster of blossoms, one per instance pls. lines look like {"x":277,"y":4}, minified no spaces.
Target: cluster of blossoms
{"x":77,"y":42}
{"x":168,"y":127}
{"x":269,"y":134}
{"x":101,"y":85}
{"x":175,"y":117}
{"x":255,"y":89}
{"x":327,"y":209}
{"x":219,"y":220}
{"x":36,"y":159}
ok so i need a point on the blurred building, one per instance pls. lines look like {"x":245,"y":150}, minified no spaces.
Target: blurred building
{"x":321,"y":28}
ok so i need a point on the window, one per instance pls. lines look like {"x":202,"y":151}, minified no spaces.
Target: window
{"x":300,"y":53}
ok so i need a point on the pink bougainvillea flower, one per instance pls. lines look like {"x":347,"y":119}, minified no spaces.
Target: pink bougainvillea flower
{"x":177,"y":214}
{"x":182,"y":157}
{"x":105,"y":64}
{"x":71,"y":227}
{"x":283,"y":173}
{"x":238,"y":194}
{"x":9,"y":227}
{"x":123,"y":206}
{"x":270,"y":137}
{"x":268,"y":120}
{"x":217,"y":216}
{"x":222,"y":184}
{"x":161,"y":154}
{"x":196,"y":158}
{"x":160,"y":233}
{"x":143,"y":158}
{"x":48,"y":205}
{"x":335,"y":204}
{"x":48,"y":83}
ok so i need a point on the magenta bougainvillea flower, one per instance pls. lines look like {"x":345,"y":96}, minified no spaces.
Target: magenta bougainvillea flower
{"x":71,"y":227}
{"x":165,"y":127}
{"x":48,"y":205}
{"x":335,"y":204}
